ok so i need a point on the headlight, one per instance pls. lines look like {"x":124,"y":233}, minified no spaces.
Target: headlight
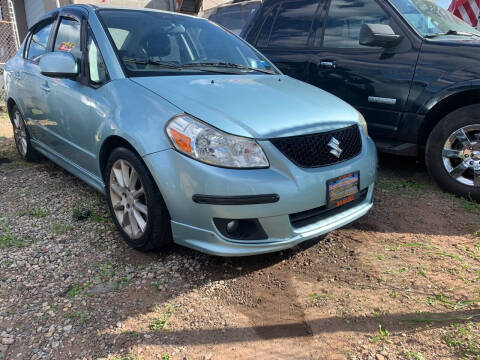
{"x":363,"y":124}
{"x":207,"y":144}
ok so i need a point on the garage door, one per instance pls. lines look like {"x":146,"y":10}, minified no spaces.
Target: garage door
{"x":34,"y":10}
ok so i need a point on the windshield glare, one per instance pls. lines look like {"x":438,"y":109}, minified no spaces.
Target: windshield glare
{"x":428,"y":18}
{"x":156,"y":43}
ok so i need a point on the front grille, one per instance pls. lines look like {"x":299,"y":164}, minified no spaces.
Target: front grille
{"x":313,"y":150}
{"x":308,"y":217}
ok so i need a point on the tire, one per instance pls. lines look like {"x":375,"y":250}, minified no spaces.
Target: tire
{"x":22,"y":137}
{"x":146,"y":210}
{"x":452,"y":159}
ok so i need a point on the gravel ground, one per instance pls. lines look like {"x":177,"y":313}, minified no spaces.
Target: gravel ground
{"x":401,"y":283}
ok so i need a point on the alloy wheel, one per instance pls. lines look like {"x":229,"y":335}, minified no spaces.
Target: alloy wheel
{"x":128,"y":199}
{"x":20,"y":134}
{"x":461,"y":155}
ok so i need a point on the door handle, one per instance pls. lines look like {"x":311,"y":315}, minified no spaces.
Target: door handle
{"x":45,"y":87}
{"x":327,"y":64}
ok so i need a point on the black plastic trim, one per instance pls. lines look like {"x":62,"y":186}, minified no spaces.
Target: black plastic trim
{"x":236,"y":200}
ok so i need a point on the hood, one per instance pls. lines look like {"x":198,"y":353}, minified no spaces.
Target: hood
{"x":257,"y":106}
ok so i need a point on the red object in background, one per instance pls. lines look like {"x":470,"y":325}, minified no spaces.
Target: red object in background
{"x":467,"y":10}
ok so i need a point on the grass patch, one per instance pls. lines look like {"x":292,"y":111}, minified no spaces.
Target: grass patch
{"x":36,"y":212}
{"x":463,"y":342}
{"x":317,"y":297}
{"x":76,"y":317}
{"x":60,"y":228}
{"x":77,"y":290}
{"x":7,"y":239}
{"x":412,"y":355}
{"x":161,"y":323}
{"x":398,"y":185}
{"x":80,"y":214}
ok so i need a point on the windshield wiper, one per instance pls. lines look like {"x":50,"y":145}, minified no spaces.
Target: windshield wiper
{"x":451,"y":32}
{"x":151,"y":61}
{"x":228,"y":65}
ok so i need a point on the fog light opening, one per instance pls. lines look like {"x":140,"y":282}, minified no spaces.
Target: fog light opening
{"x":232,"y":227}
{"x":240,"y":229}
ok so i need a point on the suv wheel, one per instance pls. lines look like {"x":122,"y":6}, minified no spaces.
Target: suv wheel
{"x":22,"y":137}
{"x":135,"y":203}
{"x":453,"y":152}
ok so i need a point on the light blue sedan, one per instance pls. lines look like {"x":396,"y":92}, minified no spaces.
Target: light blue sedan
{"x":193,"y":135}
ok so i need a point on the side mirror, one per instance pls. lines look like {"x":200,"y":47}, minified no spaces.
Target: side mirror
{"x":58,"y":64}
{"x":378,"y":35}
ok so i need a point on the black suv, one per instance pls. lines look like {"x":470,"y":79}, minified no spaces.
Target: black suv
{"x":409,"y":66}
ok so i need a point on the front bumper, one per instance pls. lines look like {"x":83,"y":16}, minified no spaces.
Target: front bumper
{"x":179,"y":178}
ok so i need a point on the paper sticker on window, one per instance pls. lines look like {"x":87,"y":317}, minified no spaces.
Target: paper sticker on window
{"x":66,"y":46}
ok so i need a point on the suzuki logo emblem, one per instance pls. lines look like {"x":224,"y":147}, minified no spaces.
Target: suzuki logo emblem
{"x":334,"y":144}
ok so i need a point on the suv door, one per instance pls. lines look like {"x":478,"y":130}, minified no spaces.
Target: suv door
{"x":374,"y":80}
{"x":285,"y":34}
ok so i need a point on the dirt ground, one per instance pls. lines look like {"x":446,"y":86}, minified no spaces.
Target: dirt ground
{"x":400,"y":283}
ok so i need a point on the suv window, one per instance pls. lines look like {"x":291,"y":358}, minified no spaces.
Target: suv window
{"x":235,"y":18}
{"x":96,"y":66}
{"x":68,"y":37}
{"x":346,"y":17}
{"x":293,"y":23}
{"x":38,"y":41}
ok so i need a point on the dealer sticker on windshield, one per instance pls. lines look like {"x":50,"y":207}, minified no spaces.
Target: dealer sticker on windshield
{"x":342,"y":190}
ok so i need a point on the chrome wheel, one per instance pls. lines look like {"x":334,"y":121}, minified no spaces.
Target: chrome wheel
{"x":461,"y":155}
{"x":20,"y":134}
{"x":128,"y":199}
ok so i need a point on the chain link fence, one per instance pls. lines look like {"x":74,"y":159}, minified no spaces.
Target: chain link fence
{"x":8,"y":40}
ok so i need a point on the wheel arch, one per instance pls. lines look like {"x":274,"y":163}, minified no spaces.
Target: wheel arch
{"x":109,"y":144}
{"x":443,"y":107}
{"x":10,"y":104}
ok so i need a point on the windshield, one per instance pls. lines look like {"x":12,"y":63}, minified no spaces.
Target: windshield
{"x":430,"y":19}
{"x":155,"y":43}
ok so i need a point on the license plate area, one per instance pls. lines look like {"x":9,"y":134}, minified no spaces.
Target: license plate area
{"x":343,"y":189}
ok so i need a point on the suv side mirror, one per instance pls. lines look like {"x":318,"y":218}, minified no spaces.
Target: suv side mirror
{"x":378,"y":35}
{"x":58,"y":64}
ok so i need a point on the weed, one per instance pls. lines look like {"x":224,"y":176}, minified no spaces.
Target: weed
{"x":76,"y":290}
{"x":53,"y":307}
{"x":317,"y":297}
{"x":393,"y":294}
{"x":126,"y":357}
{"x":132,"y":333}
{"x":421,"y":245}
{"x":76,"y":316}
{"x":161,"y":323}
{"x":59,"y":228}
{"x":7,"y":239}
{"x":463,"y":341}
{"x":382,"y":335}
{"x":412,"y":355}
{"x":165,"y":357}
{"x":35,"y":212}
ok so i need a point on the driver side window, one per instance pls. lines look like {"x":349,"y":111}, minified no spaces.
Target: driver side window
{"x":38,"y":42}
{"x":346,"y":17}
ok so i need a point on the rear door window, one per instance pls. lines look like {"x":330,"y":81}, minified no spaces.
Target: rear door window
{"x":235,"y":18}
{"x":293,"y":24}
{"x":68,"y":37}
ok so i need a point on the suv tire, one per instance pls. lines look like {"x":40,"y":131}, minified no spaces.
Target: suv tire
{"x":453,"y":152}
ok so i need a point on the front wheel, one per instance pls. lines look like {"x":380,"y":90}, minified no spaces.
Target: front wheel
{"x":22,"y":137}
{"x":453,"y":152}
{"x":135,"y":203}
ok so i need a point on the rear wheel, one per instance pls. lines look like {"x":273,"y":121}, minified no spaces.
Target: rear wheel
{"x":135,"y":203}
{"x":22,"y":137}
{"x":453,"y":152}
